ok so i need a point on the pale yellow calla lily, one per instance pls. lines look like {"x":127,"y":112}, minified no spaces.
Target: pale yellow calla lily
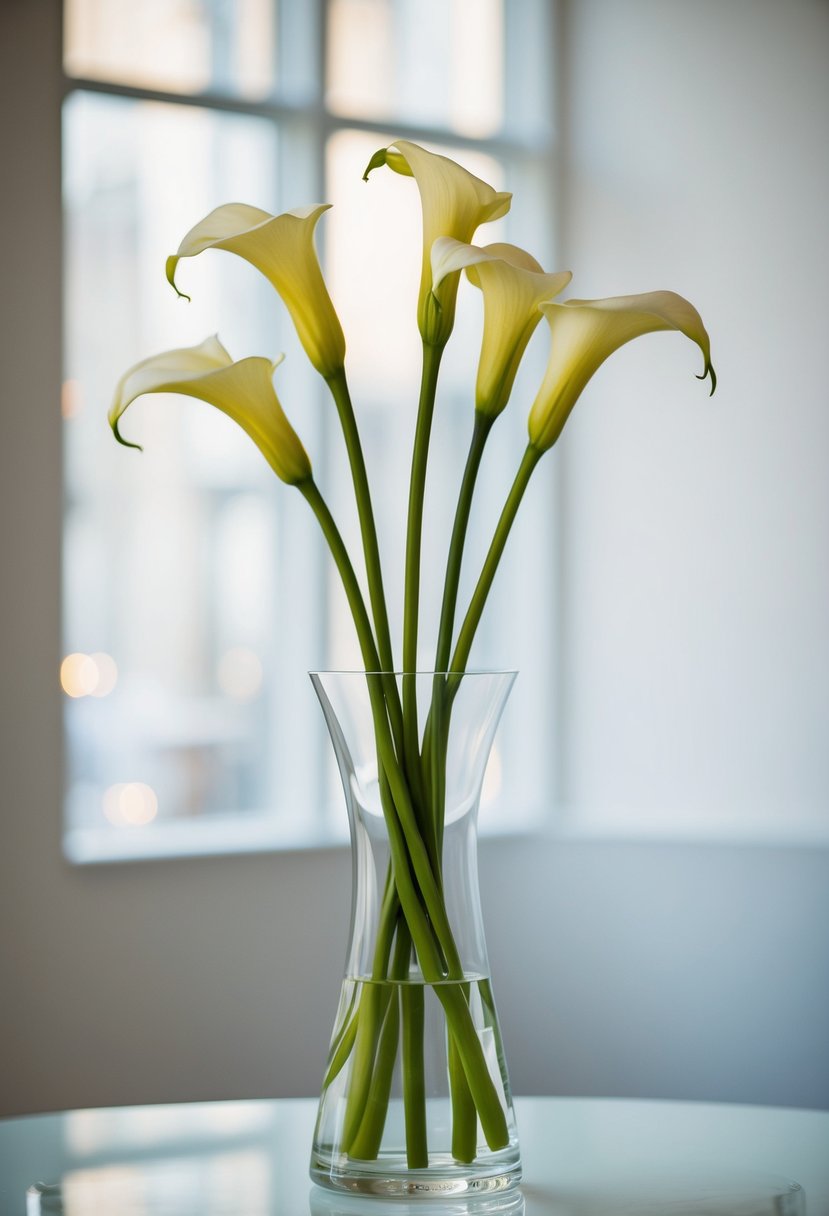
{"x":244,"y":391}
{"x":513,"y":285}
{"x":586,"y":332}
{"x":454,"y":204}
{"x":282,"y":248}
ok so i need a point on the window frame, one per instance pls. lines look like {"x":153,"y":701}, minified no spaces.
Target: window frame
{"x":306,"y":125}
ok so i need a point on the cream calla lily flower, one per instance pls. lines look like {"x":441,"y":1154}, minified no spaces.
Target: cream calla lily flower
{"x":586,"y":332}
{"x":244,"y":391}
{"x":513,"y":285}
{"x":282,"y":248}
{"x":454,"y":204}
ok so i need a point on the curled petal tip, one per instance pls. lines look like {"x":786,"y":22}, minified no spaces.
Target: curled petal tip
{"x":124,"y":442}
{"x":172,"y":263}
{"x":378,"y":159}
{"x":707,"y":371}
{"x":586,"y":332}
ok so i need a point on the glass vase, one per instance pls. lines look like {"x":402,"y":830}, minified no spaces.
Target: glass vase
{"x":416,"y":1098}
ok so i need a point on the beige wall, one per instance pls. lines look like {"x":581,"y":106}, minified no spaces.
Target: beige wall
{"x":692,"y":154}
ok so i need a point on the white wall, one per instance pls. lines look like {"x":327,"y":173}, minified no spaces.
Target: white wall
{"x":694,"y":638}
{"x":697,"y":540}
{"x":695,"y":572}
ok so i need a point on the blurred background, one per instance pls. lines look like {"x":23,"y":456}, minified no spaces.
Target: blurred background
{"x":174,"y":874}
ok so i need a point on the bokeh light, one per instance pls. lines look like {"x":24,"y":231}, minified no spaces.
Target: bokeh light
{"x":130,"y":804}
{"x":78,"y":675}
{"x":71,"y":399}
{"x":88,"y":675}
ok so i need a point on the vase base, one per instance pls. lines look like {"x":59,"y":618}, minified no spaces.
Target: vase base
{"x":389,"y":1177}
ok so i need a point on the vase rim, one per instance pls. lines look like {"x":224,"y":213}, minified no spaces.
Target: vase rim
{"x":358,"y":671}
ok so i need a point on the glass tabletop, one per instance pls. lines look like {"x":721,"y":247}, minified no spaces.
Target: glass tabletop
{"x":582,"y":1157}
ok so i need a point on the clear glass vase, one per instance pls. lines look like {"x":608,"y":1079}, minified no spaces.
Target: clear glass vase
{"x":416,"y":1098}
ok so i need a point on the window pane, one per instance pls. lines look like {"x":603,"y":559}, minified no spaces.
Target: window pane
{"x":436,"y":63}
{"x":181,"y":46}
{"x":172,"y":558}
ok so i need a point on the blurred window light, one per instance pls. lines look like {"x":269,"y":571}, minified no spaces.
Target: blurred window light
{"x":187,"y":633}
{"x":435,"y":63}
{"x":177,"y":46}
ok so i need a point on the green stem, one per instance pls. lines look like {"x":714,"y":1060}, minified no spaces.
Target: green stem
{"x":362,"y":622}
{"x":415,"y":882}
{"x":412,"y":1005}
{"x":310,"y":492}
{"x":404,"y":836}
{"x":458,"y":1016}
{"x":369,"y":1017}
{"x":373,"y":1008}
{"x":371,"y":550}
{"x":414,"y":879}
{"x":484,"y":1094}
{"x":434,"y":750}
{"x":366,"y":1143}
{"x":414,"y":537}
{"x":434,"y":762}
{"x":464,"y":1115}
{"x":342,"y":399}
{"x":420,"y":454}
{"x":479,"y":597}
{"x":342,"y":1041}
{"x":480,"y":434}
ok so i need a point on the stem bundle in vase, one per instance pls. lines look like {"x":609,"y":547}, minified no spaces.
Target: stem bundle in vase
{"x":381,"y":1031}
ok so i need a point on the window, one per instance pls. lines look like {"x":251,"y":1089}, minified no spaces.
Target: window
{"x":196,"y":591}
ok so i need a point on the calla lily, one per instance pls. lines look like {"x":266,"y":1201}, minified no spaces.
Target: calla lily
{"x":244,"y":391}
{"x":586,"y":332}
{"x":282,"y":248}
{"x":454,"y":204}
{"x":513,"y":285}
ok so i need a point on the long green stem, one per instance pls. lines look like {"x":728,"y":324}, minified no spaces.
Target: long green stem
{"x":434,"y":750}
{"x":437,"y":726}
{"x":415,"y":881}
{"x":310,"y":492}
{"x":420,"y":454}
{"x":373,"y":1007}
{"x":413,"y":1008}
{"x":464,"y":1115}
{"x":425,"y":922}
{"x":371,"y":550}
{"x":346,"y":1038}
{"x":366,"y":1142}
{"x":362,"y":621}
{"x":354,"y":595}
{"x":480,"y":434}
{"x":414,"y":538}
{"x":368,"y":530}
{"x":482,"y":589}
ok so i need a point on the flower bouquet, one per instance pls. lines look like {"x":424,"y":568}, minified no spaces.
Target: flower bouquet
{"x":416,"y":1096}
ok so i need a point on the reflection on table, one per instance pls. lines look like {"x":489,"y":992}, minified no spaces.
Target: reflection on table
{"x":582,"y":1157}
